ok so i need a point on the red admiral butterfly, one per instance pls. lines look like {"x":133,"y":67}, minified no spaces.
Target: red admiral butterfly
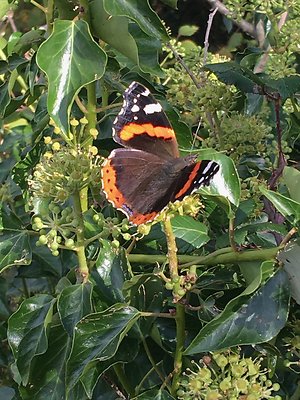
{"x":142,"y":178}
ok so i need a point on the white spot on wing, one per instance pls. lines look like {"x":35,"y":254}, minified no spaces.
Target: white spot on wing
{"x":152,"y":108}
{"x":207,"y":168}
{"x":135,"y":117}
{"x":146,"y":92}
{"x":135,"y":108}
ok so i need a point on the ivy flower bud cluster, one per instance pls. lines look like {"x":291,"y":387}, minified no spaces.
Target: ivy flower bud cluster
{"x":227,"y":376}
{"x":66,"y":171}
{"x":56,"y":226}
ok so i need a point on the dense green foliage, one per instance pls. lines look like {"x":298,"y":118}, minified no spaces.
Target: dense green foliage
{"x":202,"y":303}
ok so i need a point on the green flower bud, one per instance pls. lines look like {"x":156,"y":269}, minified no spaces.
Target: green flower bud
{"x":43,"y":239}
{"x":69,"y":243}
{"x":54,"y":246}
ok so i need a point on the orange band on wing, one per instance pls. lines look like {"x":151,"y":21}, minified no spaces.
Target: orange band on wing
{"x":139,"y":219}
{"x":190,"y":181}
{"x":131,"y":130}
{"x":109,"y":181}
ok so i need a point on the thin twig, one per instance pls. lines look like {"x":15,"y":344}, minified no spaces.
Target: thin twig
{"x":281,"y":159}
{"x":11,"y":21}
{"x":244,"y":25}
{"x":264,"y":59}
{"x":207,"y":33}
{"x":183,"y":64}
{"x":289,"y":235}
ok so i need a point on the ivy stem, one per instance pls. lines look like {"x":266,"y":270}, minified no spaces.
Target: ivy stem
{"x":221,"y":256}
{"x":91,"y":116}
{"x":231,"y":234}
{"x":36,"y":4}
{"x":49,"y":15}
{"x":172,"y":249}
{"x":180,"y":311}
{"x":180,"y":337}
{"x":80,"y":246}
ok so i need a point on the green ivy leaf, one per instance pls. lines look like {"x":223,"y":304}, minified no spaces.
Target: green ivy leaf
{"x":188,"y":30}
{"x":155,"y":394}
{"x":24,"y":167}
{"x":113,"y":30}
{"x":189,"y":230}
{"x":14,"y":245}
{"x":141,"y":13}
{"x":4,"y":98}
{"x":170,"y":3}
{"x":286,"y":87}
{"x":27,"y":334}
{"x":225,"y":186}
{"x":232,"y":73}
{"x":256,"y":320}
{"x":290,"y":258}
{"x":4,"y":307}
{"x":74,"y":302}
{"x":291,"y":178}
{"x":71,"y":59}
{"x":4,"y":7}
{"x":148,"y":49}
{"x":127,"y":352}
{"x":286,"y":206}
{"x":110,"y":272}
{"x":98,"y":336}
{"x":47,"y":375}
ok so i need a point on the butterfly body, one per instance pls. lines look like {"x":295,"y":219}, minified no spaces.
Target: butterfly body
{"x":144,"y":176}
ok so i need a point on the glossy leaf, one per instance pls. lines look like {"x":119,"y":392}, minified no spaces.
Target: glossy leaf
{"x":4,"y":99}
{"x":110,"y":272}
{"x":171,"y":3}
{"x":245,"y":80}
{"x":48,"y":370}
{"x":141,"y":13}
{"x":98,"y":336}
{"x":113,"y":30}
{"x":286,"y":206}
{"x":232,"y":73}
{"x":286,"y":87}
{"x":155,"y":394}
{"x":290,"y":257}
{"x":189,"y":230}
{"x":4,"y":7}
{"x":27,"y":334}
{"x":251,"y":320}
{"x":43,"y":263}
{"x":71,"y":59}
{"x":226,"y":183}
{"x":74,"y":303}
{"x":4,"y":306}
{"x":291,"y":178}
{"x":14,"y":249}
{"x":24,"y":167}
{"x":188,"y":30}
{"x":127,"y":351}
{"x":148,"y":49}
